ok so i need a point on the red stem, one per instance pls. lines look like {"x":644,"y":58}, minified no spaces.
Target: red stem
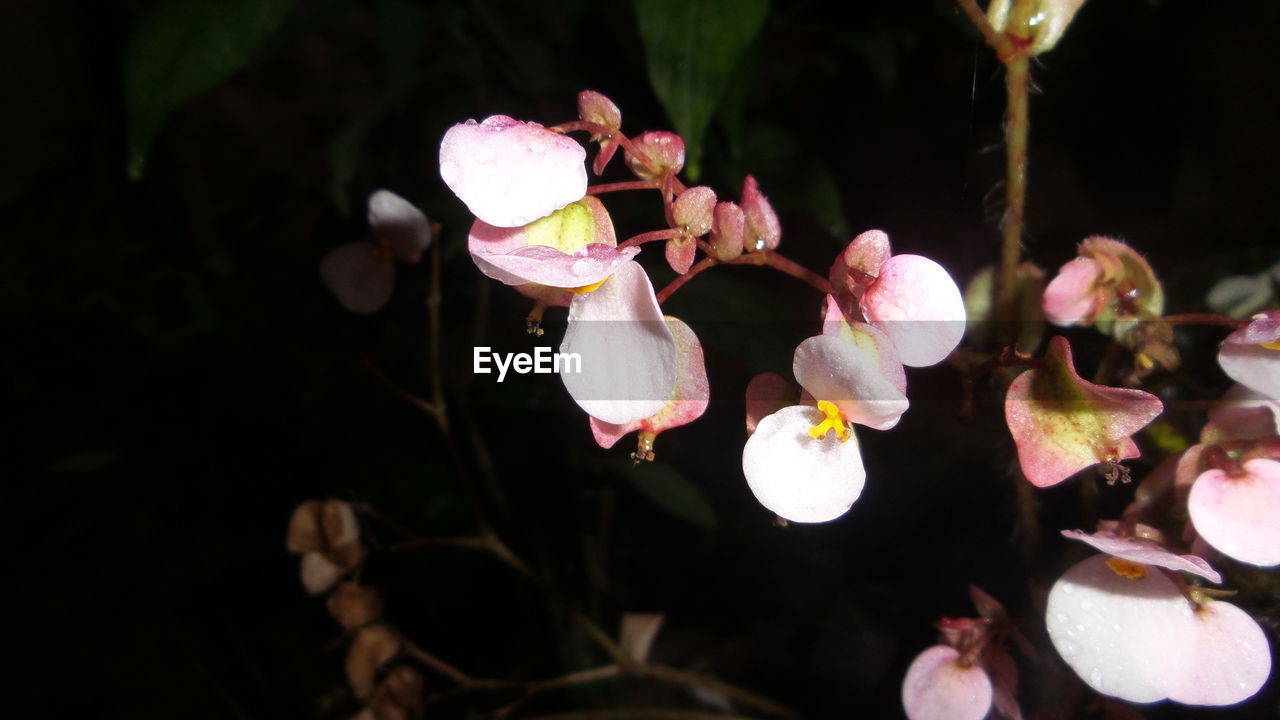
{"x":651,"y":236}
{"x":626,"y":185}
{"x":763,"y":257}
{"x":1205,"y":319}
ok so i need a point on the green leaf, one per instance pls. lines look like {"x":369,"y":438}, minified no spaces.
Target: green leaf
{"x":672,"y":491}
{"x":692,"y":47}
{"x":181,"y":49}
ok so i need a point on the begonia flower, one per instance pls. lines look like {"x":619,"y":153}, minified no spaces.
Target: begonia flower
{"x":361,"y":275}
{"x":1240,"y":515}
{"x":692,"y":214}
{"x":1062,"y":423}
{"x":573,"y":247}
{"x":1129,"y":631}
{"x":628,"y":353}
{"x":940,"y":685}
{"x":1108,"y":284}
{"x":510,"y":173}
{"x":803,"y":462}
{"x":728,"y":229}
{"x":912,"y":299}
{"x":1251,"y":355}
{"x":687,"y":402}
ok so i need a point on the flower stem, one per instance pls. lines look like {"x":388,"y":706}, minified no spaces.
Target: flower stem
{"x":651,"y":236}
{"x":770,"y":258}
{"x":1206,"y":319}
{"x":998,"y":42}
{"x":620,"y":186}
{"x":1017,"y":75}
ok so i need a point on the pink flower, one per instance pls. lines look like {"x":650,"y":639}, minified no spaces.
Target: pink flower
{"x":1251,"y":355}
{"x":1147,"y":552}
{"x":1063,"y":423}
{"x":802,"y":462}
{"x":687,"y":402}
{"x":628,"y":354}
{"x":510,"y":173}
{"x":361,"y":275}
{"x":1129,"y":632}
{"x":939,"y":685}
{"x":1240,"y":516}
{"x":912,"y":299}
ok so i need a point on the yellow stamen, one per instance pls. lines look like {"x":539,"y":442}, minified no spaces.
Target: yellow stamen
{"x":833,"y":420}
{"x":1273,"y":345}
{"x":583,"y":290}
{"x":1127,"y":569}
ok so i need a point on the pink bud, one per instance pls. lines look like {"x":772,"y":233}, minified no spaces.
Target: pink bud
{"x":763,"y":231}
{"x":663,"y":155}
{"x":727,"y":230}
{"x":693,"y":210}
{"x":398,"y":223}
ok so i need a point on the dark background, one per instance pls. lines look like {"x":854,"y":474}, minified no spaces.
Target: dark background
{"x":176,"y":378}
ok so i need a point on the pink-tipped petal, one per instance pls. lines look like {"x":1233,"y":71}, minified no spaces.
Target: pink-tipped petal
{"x":1233,"y":659}
{"x":359,"y":276}
{"x":595,"y":107}
{"x":1251,"y":357}
{"x":918,"y":305}
{"x":688,"y":400}
{"x":1071,"y":298}
{"x":1063,"y":423}
{"x":398,"y":223}
{"x":798,"y":477}
{"x":1240,"y":517}
{"x":1145,"y":552}
{"x":767,"y":393}
{"x":628,"y":355}
{"x":763,"y":231}
{"x":938,"y":687}
{"x":1125,"y":637}
{"x":857,"y":371}
{"x":510,"y":173}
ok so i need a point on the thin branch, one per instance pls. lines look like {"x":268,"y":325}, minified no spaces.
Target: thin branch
{"x":1206,"y":319}
{"x":435,"y":663}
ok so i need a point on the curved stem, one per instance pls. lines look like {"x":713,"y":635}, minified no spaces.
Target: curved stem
{"x":1017,"y":76}
{"x":651,"y":236}
{"x":770,"y":258}
{"x":620,"y":186}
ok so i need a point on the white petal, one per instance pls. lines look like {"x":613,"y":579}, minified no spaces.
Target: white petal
{"x":628,"y":353}
{"x":1232,"y":658}
{"x":798,"y":477}
{"x":1124,"y":637}
{"x":937,"y":688}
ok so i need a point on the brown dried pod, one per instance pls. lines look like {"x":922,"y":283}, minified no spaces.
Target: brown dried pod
{"x":354,"y":605}
{"x":373,"y":647}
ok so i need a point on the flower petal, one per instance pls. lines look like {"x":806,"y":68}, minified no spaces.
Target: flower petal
{"x":359,"y":276}
{"x":1063,"y":423}
{"x":1240,"y":517}
{"x":937,"y":687}
{"x":627,"y":351}
{"x":1233,"y":660}
{"x":858,"y":371}
{"x":798,"y":477}
{"x":1071,"y":298}
{"x":510,"y":173}
{"x":1125,"y":637}
{"x":688,"y":399}
{"x":1145,"y":552}
{"x":401,"y":225}
{"x":572,"y":247}
{"x":917,"y":304}
{"x":767,"y":393}
{"x":1247,"y":360}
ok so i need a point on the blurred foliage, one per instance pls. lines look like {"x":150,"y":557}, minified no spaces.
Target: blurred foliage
{"x":176,"y":378}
